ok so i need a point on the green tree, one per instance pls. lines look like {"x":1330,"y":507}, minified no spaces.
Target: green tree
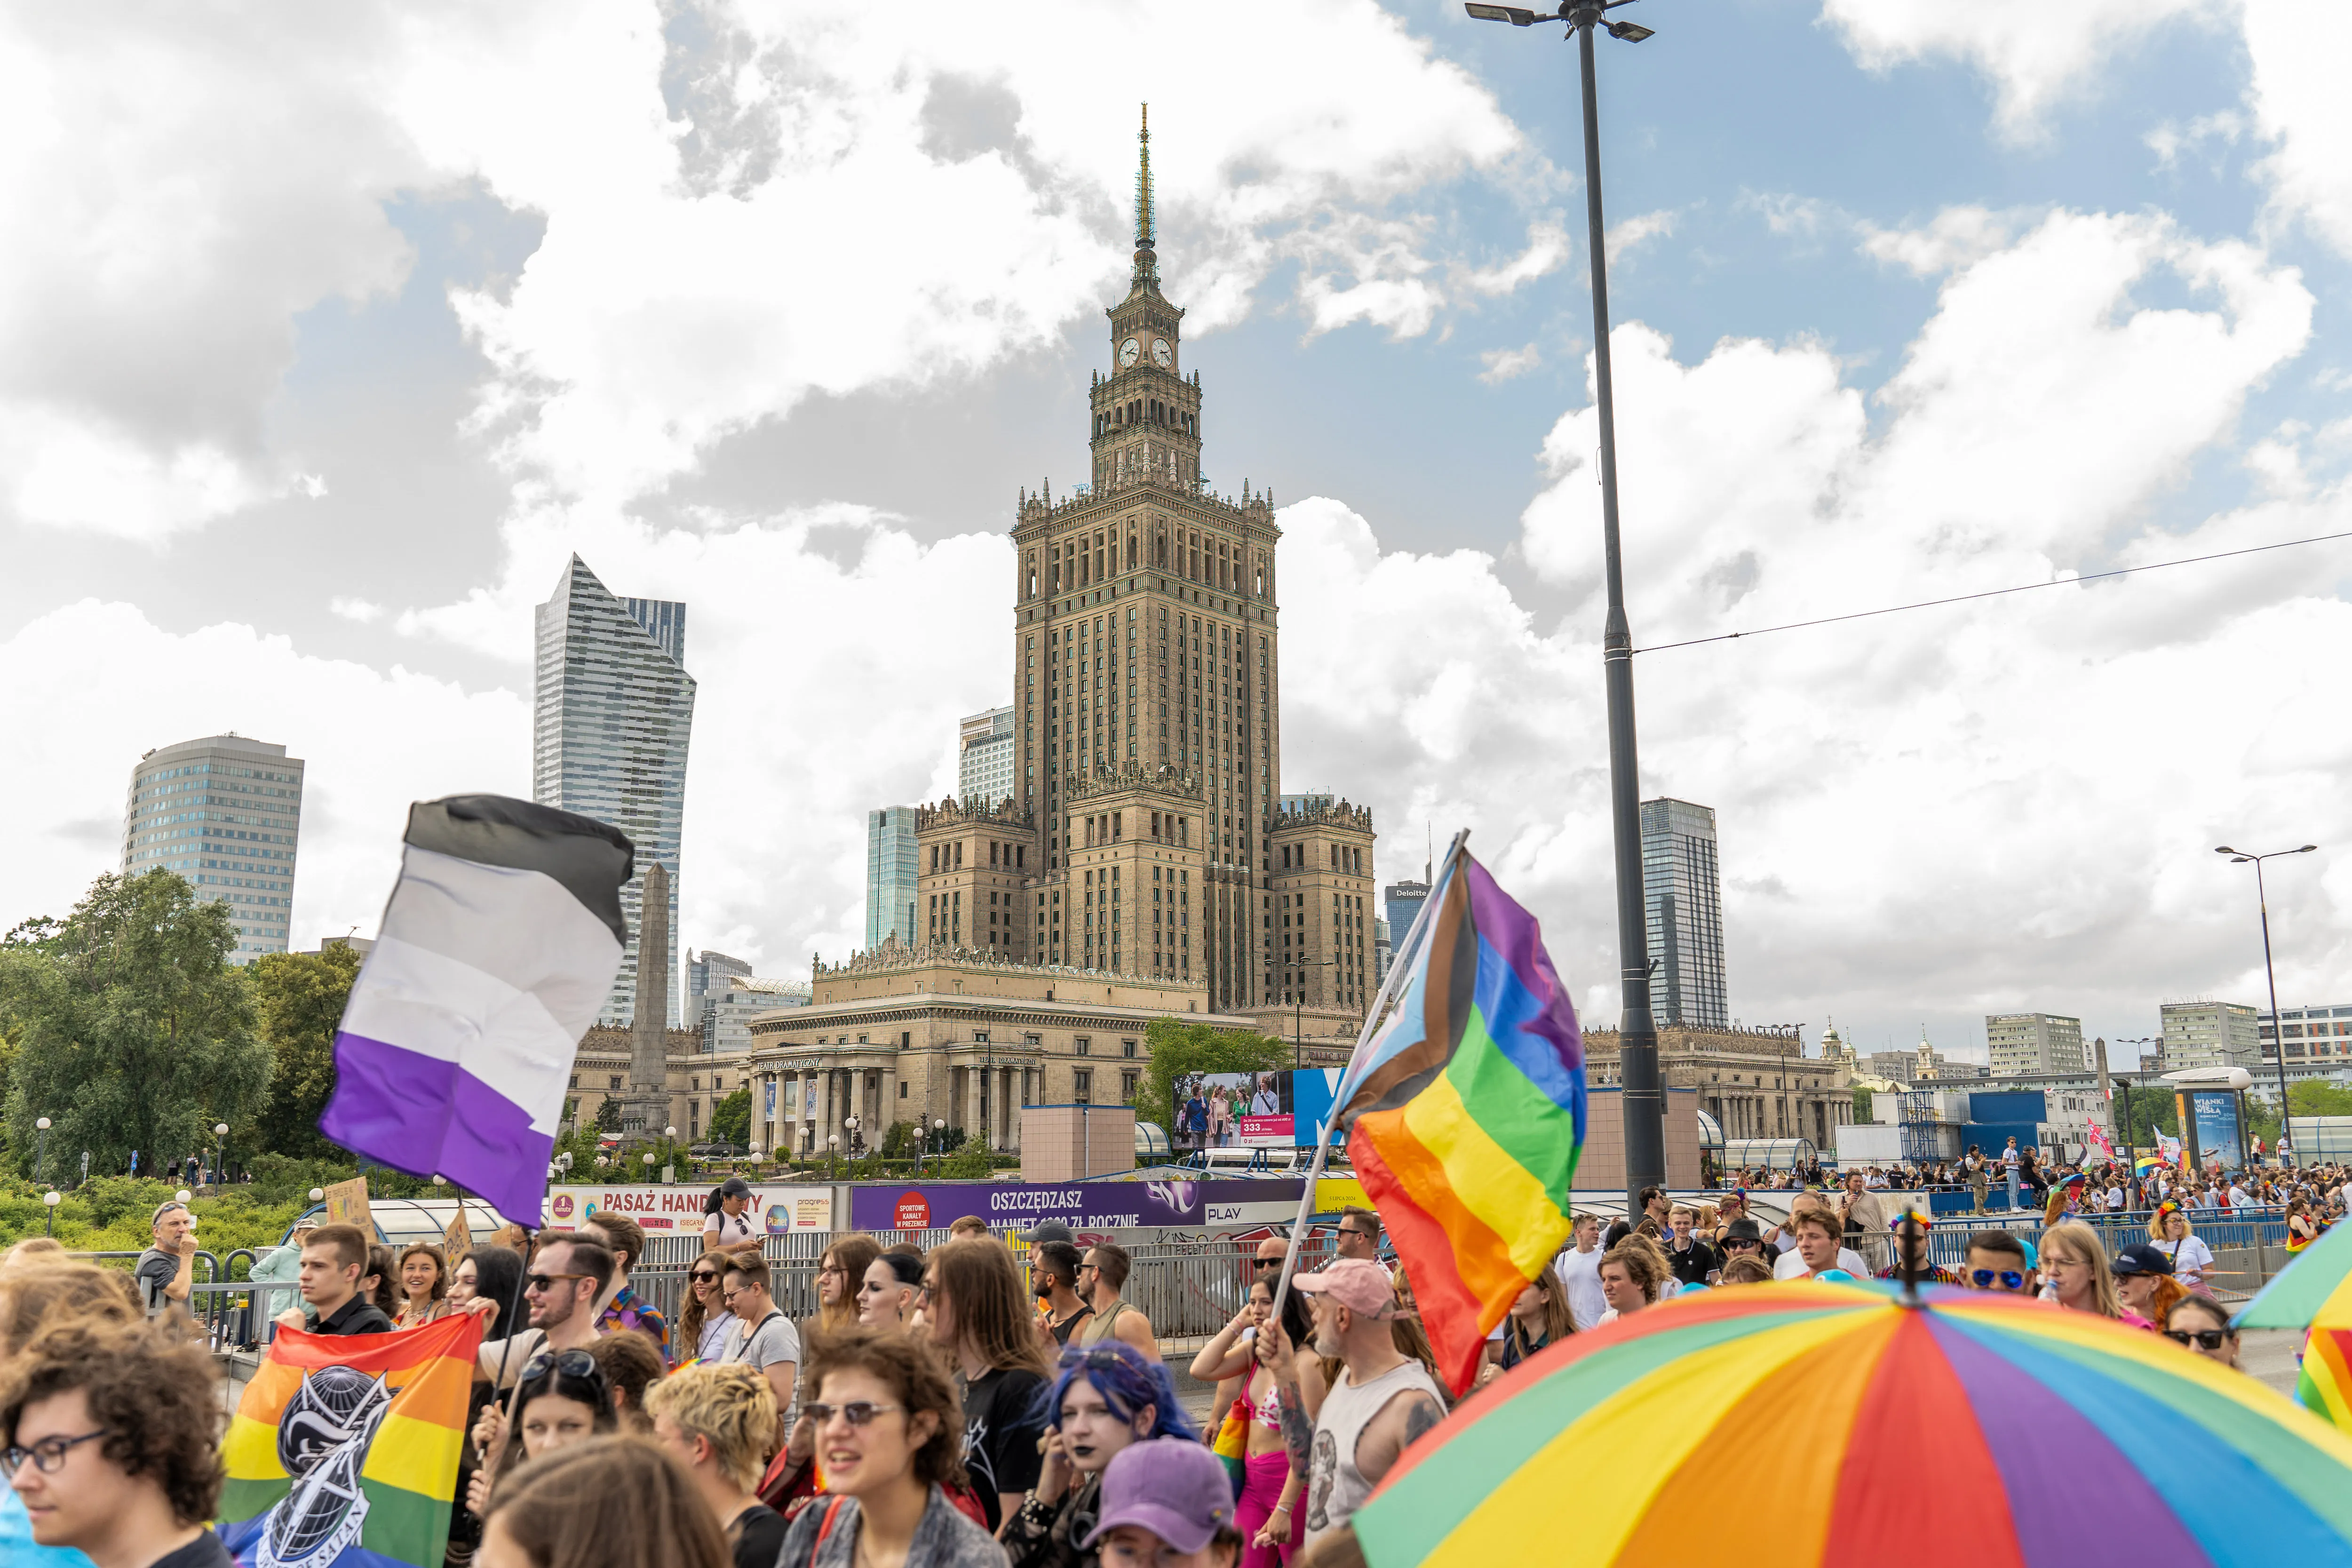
{"x":2152,"y":1111}
{"x":730,"y":1119}
{"x":1862,"y":1109}
{"x":299,"y":997}
{"x":608,"y":1115}
{"x":1179,"y":1049}
{"x":972,"y":1161}
{"x":134,"y":1030}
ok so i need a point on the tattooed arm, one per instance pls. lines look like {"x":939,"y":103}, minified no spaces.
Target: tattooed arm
{"x":1274,"y":1353}
{"x":1387,"y":1435}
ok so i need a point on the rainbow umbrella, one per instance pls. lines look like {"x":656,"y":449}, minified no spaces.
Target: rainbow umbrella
{"x":2315,"y":1291}
{"x":1836,"y":1424}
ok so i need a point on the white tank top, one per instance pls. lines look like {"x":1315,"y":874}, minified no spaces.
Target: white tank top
{"x":1334,"y":1488}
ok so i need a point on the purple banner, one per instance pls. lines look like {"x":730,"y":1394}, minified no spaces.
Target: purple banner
{"x":1014,"y":1205}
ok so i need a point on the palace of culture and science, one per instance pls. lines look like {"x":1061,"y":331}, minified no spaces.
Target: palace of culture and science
{"x":1147,"y":861}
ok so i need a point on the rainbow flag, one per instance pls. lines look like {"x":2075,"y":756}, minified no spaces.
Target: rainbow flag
{"x":1468,"y":1112}
{"x":343,"y":1452}
{"x":2313,"y":1292}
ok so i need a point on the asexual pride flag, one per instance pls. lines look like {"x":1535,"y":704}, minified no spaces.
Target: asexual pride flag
{"x":498,"y":945}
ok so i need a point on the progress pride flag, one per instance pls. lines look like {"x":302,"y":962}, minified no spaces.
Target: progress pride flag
{"x":498,"y":945}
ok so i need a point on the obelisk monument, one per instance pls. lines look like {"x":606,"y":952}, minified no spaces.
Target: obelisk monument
{"x":646,"y":1110}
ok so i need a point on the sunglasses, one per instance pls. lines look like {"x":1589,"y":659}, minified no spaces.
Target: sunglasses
{"x":1738,"y":1244}
{"x":1265,"y":1263}
{"x":547,"y":1281}
{"x":857,"y":1412}
{"x":1098,"y":1358}
{"x":563,"y":1364}
{"x":2204,"y":1339}
{"x":2011,"y":1279}
{"x":703,"y":1275}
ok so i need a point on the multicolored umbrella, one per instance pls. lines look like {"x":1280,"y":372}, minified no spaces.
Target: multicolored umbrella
{"x":1804,"y":1423}
{"x":2315,"y":1291}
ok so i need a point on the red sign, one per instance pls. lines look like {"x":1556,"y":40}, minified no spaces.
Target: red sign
{"x":561,"y":1205}
{"x":912,"y":1212}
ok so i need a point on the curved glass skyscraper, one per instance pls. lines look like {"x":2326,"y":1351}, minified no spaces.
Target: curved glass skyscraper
{"x":613,"y":709}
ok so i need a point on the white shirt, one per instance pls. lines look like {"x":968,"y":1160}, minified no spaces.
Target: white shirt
{"x":2190,"y":1258}
{"x":2010,"y":1156}
{"x":729,"y":1229}
{"x":2238,"y":1197}
{"x":1791,"y":1265}
{"x":1581,"y":1272}
{"x":2115,"y":1197}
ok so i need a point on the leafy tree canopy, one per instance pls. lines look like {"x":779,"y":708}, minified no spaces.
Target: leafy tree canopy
{"x":299,"y":998}
{"x":730,"y":1119}
{"x":133,"y":1030}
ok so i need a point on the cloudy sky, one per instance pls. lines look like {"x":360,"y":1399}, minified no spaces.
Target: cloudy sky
{"x":326,"y":334}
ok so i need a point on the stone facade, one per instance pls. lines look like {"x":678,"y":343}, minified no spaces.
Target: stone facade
{"x":697,"y":1080}
{"x":961,"y":1035}
{"x":1143,"y":834}
{"x":1756,"y":1083}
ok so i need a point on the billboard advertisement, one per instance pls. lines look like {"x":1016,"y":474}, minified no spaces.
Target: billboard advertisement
{"x":1232,"y":1110}
{"x":1015,"y":1206}
{"x":677,"y":1210}
{"x":2214,"y":1113}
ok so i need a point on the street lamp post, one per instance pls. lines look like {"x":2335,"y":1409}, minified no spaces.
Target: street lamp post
{"x":2263,"y":902}
{"x":832,"y":1149}
{"x":41,"y":1159}
{"x":220,"y":1153}
{"x":939,"y":1133}
{"x":1641,"y":1094}
{"x":49,"y":1201}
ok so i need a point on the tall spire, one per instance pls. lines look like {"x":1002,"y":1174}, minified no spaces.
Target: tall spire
{"x":1146,"y":267}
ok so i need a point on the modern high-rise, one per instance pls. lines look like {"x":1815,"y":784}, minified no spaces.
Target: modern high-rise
{"x":1143,"y":836}
{"x":2313,"y":1034}
{"x":2034,"y":1043}
{"x":892,"y":860}
{"x":1681,"y":898}
{"x":706,"y":972}
{"x":2210,"y":1035}
{"x":1402,"y":902}
{"x":225,"y":813}
{"x":613,"y":710}
{"x":984,"y":757}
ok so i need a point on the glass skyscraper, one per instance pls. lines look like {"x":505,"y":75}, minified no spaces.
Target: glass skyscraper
{"x":225,"y":813}
{"x":984,"y":758}
{"x":1682,"y":895}
{"x":891,"y":866}
{"x":613,"y":709}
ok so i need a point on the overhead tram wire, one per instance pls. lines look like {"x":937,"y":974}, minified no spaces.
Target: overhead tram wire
{"x":1997,"y":593}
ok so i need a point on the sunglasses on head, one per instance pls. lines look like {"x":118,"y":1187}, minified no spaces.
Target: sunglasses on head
{"x":2011,"y":1279}
{"x":562,"y":1364}
{"x":2204,"y":1339}
{"x":1097,"y":1358}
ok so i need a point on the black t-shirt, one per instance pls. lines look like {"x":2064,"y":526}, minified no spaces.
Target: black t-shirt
{"x":205,"y":1552}
{"x":1693,"y":1266}
{"x":1069,"y":1325}
{"x":357,"y":1316}
{"x":757,"y":1536}
{"x":155,"y":1269}
{"x":1000,"y":1435}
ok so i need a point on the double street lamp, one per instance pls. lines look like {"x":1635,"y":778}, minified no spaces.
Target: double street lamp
{"x":2262,"y":902}
{"x":1642,"y":1094}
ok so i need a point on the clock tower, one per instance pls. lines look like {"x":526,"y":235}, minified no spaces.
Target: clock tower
{"x":1147,"y":834}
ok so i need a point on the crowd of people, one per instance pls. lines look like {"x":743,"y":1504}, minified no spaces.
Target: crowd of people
{"x":938,"y":1409}
{"x":2020,"y":1179}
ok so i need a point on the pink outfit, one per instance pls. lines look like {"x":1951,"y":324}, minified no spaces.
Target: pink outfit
{"x":1265,"y":1476}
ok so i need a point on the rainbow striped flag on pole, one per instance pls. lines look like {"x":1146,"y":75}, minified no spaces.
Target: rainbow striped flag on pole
{"x":343,"y":1452}
{"x":1467,"y":1111}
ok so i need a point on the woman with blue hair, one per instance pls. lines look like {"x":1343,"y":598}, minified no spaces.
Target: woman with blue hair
{"x":1104,"y":1398}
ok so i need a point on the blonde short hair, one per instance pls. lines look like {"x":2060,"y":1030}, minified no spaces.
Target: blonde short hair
{"x":731,"y":1407}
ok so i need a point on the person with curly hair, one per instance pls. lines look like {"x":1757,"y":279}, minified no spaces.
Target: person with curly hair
{"x":113,"y":1432}
{"x":703,"y":1321}
{"x":719,"y":1422}
{"x":632,"y":1366}
{"x":889,"y":1434}
{"x":606,"y":1502}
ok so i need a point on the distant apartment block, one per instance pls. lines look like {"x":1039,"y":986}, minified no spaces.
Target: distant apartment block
{"x":2034,"y":1043}
{"x":2210,"y":1035}
{"x":2311,"y":1034}
{"x":984,"y":757}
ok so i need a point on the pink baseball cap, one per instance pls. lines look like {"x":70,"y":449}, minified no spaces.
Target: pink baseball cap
{"x":1356,"y":1283}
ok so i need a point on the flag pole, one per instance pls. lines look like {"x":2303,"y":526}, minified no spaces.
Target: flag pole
{"x":1398,"y":964}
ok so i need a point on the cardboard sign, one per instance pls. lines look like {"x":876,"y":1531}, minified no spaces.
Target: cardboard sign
{"x":347,"y":1204}
{"x":458,"y":1238}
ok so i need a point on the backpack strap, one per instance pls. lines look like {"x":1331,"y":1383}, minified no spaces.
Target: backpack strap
{"x":825,"y":1527}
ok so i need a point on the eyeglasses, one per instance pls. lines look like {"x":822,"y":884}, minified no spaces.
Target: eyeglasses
{"x":547,"y":1281}
{"x":857,"y":1412}
{"x":46,"y":1455}
{"x":2011,"y":1279}
{"x":564,"y":1363}
{"x":2204,"y":1339}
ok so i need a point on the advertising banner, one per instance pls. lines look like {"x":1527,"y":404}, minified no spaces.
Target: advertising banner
{"x":1016,"y":1207}
{"x":1265,"y":1201}
{"x":1232,"y":1110}
{"x":677,"y":1210}
{"x":2216,"y":1114}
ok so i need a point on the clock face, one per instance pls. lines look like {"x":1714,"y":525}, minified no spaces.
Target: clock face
{"x":1127,"y":350}
{"x":1162,"y":352}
